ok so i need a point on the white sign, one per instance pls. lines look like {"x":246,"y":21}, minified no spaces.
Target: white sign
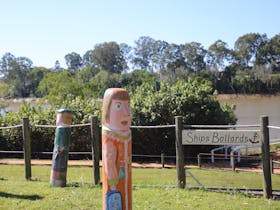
{"x":221,"y":137}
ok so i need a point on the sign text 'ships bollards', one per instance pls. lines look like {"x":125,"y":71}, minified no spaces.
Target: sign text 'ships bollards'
{"x":116,"y":150}
{"x":61,"y":147}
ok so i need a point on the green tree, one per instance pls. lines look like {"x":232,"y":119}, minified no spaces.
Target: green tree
{"x":159,"y":60}
{"x":126,"y":52}
{"x":136,"y":78}
{"x":35,"y":76}
{"x":58,"y":86}
{"x":189,"y":99}
{"x":175,"y":62}
{"x":6,"y":64}
{"x":15,"y":71}
{"x":143,"y":52}
{"x":88,"y":59}
{"x":194,"y":55}
{"x":73,"y":61}
{"x":248,"y":49}
{"x":103,"y":80}
{"x":5,"y":90}
{"x":108,"y":56}
{"x":273,"y":53}
{"x":219,"y":55}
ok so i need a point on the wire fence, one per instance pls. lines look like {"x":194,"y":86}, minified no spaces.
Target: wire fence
{"x":178,"y":126}
{"x":153,"y":157}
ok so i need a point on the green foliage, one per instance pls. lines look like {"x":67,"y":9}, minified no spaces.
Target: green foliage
{"x":103,"y":80}
{"x":5,"y":90}
{"x":42,"y":138}
{"x":136,"y":78}
{"x":58,"y":85}
{"x":108,"y":56}
{"x":190,"y":99}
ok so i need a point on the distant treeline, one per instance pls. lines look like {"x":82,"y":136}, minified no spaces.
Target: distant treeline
{"x":252,"y":66}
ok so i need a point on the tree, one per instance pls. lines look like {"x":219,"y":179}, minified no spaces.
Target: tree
{"x":103,"y":80}
{"x":15,"y":71}
{"x":6,"y":63}
{"x":175,"y":61}
{"x":219,"y":55}
{"x":88,"y":59}
{"x":248,"y":49}
{"x":143,"y":52}
{"x":58,"y":86}
{"x":35,"y":77}
{"x":159,"y":59}
{"x":57,"y":66}
{"x":194,"y":55}
{"x":73,"y":61}
{"x":136,"y":78}
{"x":108,"y":56}
{"x":5,"y":90}
{"x":126,"y":52}
{"x":273,"y":53}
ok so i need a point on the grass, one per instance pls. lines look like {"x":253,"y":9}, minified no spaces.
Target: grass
{"x":152,"y":189}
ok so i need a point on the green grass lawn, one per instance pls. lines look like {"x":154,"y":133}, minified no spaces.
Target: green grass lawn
{"x":152,"y":189}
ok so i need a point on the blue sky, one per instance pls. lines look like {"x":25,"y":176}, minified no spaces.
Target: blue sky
{"x":45,"y":31}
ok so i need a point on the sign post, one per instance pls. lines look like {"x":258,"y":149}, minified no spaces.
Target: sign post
{"x":181,"y":176}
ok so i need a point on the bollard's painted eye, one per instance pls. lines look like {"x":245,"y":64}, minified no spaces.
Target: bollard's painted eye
{"x":118,"y":106}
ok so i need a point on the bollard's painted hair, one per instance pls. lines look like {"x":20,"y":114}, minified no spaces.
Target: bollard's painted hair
{"x":109,"y":95}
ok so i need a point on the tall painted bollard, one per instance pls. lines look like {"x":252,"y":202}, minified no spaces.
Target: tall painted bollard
{"x":116,"y":150}
{"x":61,"y":148}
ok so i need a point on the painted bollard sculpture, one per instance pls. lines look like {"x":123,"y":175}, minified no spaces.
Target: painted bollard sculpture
{"x":61,"y":148}
{"x":116,"y":150}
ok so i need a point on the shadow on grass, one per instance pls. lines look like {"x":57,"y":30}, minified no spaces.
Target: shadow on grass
{"x":27,"y":197}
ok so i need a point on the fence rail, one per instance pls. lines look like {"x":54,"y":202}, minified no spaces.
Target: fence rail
{"x":11,"y":127}
{"x":219,"y":126}
{"x":274,"y":127}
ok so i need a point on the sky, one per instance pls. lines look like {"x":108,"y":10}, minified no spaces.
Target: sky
{"x":45,"y":31}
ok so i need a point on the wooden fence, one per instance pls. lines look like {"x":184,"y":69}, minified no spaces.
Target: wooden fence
{"x":180,"y":161}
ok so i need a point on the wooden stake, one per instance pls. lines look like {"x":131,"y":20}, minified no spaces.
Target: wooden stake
{"x":181,"y":176}
{"x":26,"y":147}
{"x":267,"y":187}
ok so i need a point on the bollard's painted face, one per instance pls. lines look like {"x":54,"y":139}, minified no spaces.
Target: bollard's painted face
{"x":116,"y":109}
{"x":120,"y":115}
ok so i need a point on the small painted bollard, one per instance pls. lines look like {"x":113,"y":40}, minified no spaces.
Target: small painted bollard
{"x":116,"y":150}
{"x":61,"y":147}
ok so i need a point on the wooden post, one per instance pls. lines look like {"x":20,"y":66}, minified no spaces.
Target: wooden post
{"x":232,"y":159}
{"x":95,"y":145}
{"x":116,"y":150}
{"x":26,"y":147}
{"x":58,"y":177}
{"x":267,"y":187}
{"x":162,"y":160}
{"x":199,"y":161}
{"x":181,"y":176}
{"x":272,"y":166}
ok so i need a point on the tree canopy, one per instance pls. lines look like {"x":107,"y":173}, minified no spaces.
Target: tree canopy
{"x":252,"y":66}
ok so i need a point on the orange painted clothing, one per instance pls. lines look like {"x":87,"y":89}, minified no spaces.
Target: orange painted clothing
{"x":116,"y":162}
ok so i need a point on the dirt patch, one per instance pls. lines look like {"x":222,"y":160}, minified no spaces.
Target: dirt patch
{"x":89,"y":163}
